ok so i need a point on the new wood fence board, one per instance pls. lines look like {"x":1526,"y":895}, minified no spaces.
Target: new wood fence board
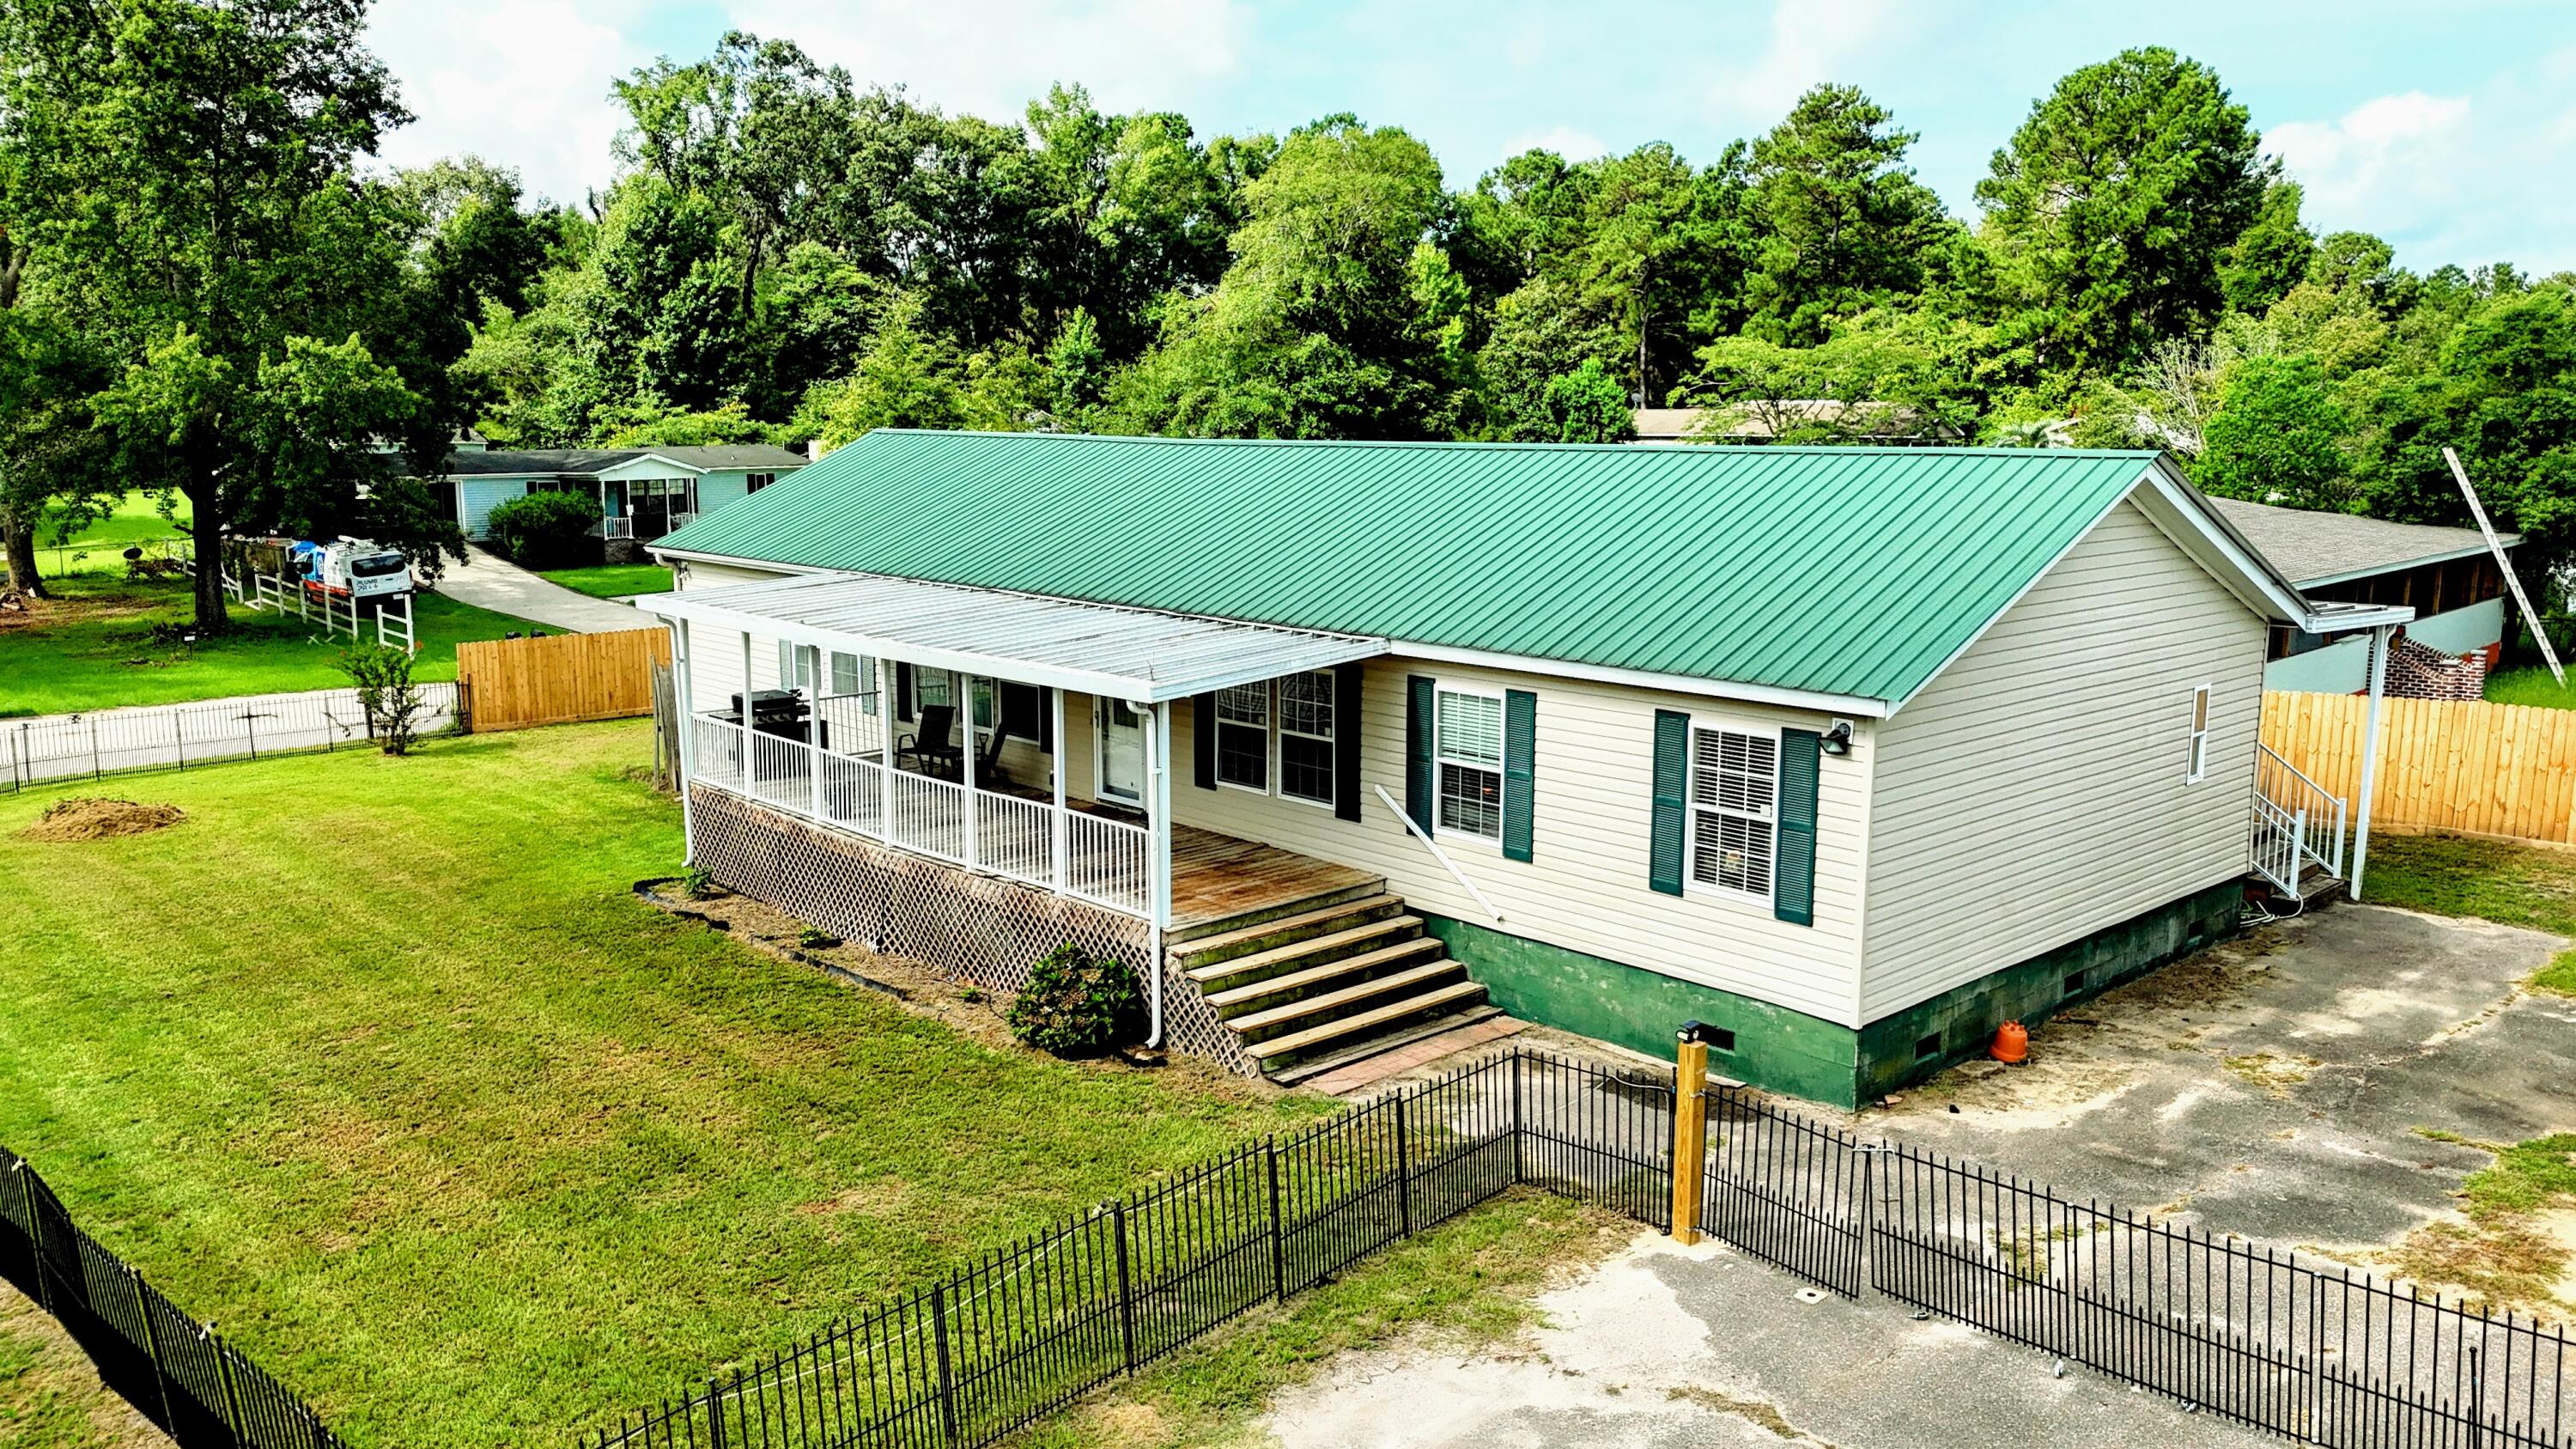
{"x":2464,"y":765}
{"x":562,"y":678}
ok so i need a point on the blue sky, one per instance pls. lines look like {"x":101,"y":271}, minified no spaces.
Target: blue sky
{"x":2448,"y":128}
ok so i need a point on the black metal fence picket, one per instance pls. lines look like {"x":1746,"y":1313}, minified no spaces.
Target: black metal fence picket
{"x":200,"y":1390}
{"x":1026,"y":1329}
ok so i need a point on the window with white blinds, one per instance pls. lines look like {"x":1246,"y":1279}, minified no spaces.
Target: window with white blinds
{"x":854,"y":675}
{"x":1734,"y":798}
{"x":1243,"y":736}
{"x":1467,"y":746}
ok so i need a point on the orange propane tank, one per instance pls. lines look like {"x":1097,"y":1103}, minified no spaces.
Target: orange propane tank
{"x":2012,"y":1043}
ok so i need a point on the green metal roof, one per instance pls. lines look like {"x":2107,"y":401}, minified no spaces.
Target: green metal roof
{"x":1844,"y":570}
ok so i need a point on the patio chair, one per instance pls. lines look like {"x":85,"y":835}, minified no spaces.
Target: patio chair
{"x":989,"y":774}
{"x":929,"y":743}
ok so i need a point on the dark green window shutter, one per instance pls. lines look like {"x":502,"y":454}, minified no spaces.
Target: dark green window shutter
{"x":1419,"y":786}
{"x":1520,"y":742}
{"x":1793,"y":885}
{"x":902,"y":690}
{"x":1203,"y":741}
{"x":1672,"y":801}
{"x":1346,"y":741}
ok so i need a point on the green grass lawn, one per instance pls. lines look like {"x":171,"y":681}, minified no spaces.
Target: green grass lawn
{"x":2532,"y":684}
{"x":378,"y":1064}
{"x":99,"y":546}
{"x":92,"y":647}
{"x":613,"y":581}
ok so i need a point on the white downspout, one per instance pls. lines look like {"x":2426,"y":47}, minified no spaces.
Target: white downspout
{"x":685,"y":700}
{"x":2369,"y":755}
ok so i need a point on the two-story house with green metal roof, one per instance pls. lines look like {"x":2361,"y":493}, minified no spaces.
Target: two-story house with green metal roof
{"x":1850,"y":754}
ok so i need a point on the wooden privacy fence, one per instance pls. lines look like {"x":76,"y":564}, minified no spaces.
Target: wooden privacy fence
{"x":514,"y":683}
{"x":2464,"y":765}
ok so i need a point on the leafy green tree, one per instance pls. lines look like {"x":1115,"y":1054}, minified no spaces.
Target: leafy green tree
{"x":2277,"y":436}
{"x":49,"y":467}
{"x":2114,"y":205}
{"x":647,"y":425}
{"x":1588,"y":405}
{"x":1882,"y":375}
{"x":1533,"y":334}
{"x":1841,"y":222}
{"x":910,"y":378}
{"x":1650,"y":233}
{"x":2272,"y":255}
{"x":1329,"y":323}
{"x":188,"y":170}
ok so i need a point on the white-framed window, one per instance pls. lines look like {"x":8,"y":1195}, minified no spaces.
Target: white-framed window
{"x":1306,"y":737}
{"x":798,"y":665}
{"x":754,"y":482}
{"x":854,"y":675}
{"x":1243,"y":737}
{"x":1734,"y":806}
{"x":1467,"y":756}
{"x":2199,"y":762}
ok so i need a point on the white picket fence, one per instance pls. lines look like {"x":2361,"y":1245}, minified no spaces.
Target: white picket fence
{"x":178,"y":736}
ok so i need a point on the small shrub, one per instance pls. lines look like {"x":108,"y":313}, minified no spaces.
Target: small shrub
{"x":545,"y":530}
{"x":698,"y":884}
{"x":1077,"y":1004}
{"x":814,"y":940}
{"x":385,"y":689}
{"x":970,"y":994}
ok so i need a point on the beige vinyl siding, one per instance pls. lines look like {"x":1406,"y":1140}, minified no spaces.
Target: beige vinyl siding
{"x":1585,"y":888}
{"x":704,"y":575}
{"x":715,"y":665}
{"x":2035,"y":792}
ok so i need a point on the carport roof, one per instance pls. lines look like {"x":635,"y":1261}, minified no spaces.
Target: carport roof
{"x":1123,"y":653}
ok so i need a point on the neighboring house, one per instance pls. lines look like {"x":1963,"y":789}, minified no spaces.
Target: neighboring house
{"x":1849,"y":753}
{"x":643,"y":493}
{"x":2448,"y":576}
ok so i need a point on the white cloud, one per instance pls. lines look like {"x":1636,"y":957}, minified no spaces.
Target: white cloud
{"x":991,"y":57}
{"x":2470,"y":178}
{"x":1812,"y":41}
{"x":1565,"y":141}
{"x":522,"y":83}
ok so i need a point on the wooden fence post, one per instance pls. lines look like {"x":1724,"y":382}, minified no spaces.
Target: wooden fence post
{"x":1690,"y":1132}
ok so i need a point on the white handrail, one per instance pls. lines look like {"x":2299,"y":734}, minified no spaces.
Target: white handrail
{"x":2320,"y":809}
{"x":1437,"y":853}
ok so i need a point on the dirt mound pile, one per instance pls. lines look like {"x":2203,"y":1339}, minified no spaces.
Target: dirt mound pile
{"x":95,"y":819}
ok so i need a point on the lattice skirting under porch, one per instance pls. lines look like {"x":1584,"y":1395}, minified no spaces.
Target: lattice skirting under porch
{"x":981,"y":927}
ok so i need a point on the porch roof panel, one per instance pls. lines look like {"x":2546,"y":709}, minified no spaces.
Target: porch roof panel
{"x":1104,"y":649}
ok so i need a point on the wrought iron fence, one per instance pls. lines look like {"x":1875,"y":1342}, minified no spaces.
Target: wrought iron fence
{"x":178,"y":1373}
{"x":2250,"y":1333}
{"x":99,"y":743}
{"x":1028,"y":1328}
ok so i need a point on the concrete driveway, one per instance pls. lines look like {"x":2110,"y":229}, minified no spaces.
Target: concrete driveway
{"x":2281,"y":1086}
{"x":489,"y":581}
{"x":1689,"y":1347}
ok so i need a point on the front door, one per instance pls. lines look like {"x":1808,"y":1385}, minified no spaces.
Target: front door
{"x":1122,"y":752}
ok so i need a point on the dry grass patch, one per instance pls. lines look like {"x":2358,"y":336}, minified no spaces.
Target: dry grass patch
{"x":2511,"y":1245}
{"x":89,"y":818}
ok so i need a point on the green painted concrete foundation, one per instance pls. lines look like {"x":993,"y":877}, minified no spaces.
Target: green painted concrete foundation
{"x":1791,"y":1052}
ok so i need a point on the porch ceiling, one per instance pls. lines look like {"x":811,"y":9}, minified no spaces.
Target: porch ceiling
{"x":1122,"y":653}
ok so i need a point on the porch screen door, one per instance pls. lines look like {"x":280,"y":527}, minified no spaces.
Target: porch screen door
{"x":1122,"y":752}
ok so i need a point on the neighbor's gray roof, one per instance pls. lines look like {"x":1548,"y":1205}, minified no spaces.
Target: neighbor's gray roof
{"x":2324,"y":548}
{"x":583,"y":462}
{"x":1123,"y":653}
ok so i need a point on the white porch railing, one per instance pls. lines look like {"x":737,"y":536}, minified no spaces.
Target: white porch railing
{"x":2277,"y":844}
{"x":617,"y":528}
{"x":847,"y":785}
{"x":2320,"y":811}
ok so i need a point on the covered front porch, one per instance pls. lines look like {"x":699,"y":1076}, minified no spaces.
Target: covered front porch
{"x":949,"y":743}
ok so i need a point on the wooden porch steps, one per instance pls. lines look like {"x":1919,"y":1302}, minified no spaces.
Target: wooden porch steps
{"x":1331,"y":978}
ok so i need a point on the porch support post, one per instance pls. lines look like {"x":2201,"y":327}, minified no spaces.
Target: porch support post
{"x":814,"y":729}
{"x":885,"y":748}
{"x":1158,"y":788}
{"x":966,"y":762}
{"x":1059,"y":826}
{"x":684,"y":700}
{"x":2379,"y":638}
